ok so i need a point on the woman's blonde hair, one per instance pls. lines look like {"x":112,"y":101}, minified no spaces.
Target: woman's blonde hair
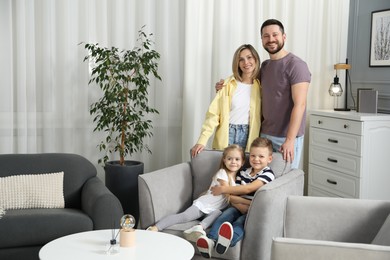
{"x":237,"y":72}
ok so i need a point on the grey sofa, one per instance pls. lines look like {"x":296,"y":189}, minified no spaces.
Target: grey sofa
{"x":333,"y":228}
{"x":171,"y":190}
{"x":88,"y":204}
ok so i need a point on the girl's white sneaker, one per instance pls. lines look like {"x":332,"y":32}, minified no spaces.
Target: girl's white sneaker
{"x":192,"y":234}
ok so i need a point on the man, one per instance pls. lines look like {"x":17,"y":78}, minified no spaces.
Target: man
{"x":285,"y":80}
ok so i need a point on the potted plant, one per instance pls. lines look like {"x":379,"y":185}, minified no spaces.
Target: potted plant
{"x":123,"y":77}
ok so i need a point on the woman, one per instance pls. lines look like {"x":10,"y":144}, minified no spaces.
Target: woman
{"x":235,"y":110}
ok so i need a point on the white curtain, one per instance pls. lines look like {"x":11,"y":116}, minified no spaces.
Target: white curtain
{"x":45,"y":97}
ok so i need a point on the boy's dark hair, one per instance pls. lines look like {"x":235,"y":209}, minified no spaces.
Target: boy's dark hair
{"x":262,"y":142}
{"x":272,"y":22}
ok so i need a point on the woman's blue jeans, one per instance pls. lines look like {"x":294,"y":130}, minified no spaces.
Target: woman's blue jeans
{"x":235,"y":218}
{"x":238,"y":134}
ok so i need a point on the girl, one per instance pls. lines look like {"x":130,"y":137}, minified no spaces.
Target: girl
{"x":235,"y":110}
{"x":232,"y":160}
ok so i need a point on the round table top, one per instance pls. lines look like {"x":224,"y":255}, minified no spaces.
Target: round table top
{"x":94,"y":245}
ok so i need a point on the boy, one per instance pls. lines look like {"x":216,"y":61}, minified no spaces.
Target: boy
{"x":228,"y":228}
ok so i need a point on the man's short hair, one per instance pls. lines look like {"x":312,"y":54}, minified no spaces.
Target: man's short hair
{"x":272,"y":22}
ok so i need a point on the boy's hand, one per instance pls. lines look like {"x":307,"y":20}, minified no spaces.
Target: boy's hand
{"x":219,"y":85}
{"x":216,"y":190}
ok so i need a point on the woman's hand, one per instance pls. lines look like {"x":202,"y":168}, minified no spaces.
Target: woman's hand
{"x":196,"y":149}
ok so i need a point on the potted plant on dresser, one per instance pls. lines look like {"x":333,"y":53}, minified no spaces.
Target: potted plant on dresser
{"x":121,"y":112}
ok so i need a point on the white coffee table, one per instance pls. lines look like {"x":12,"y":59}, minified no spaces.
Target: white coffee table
{"x":92,"y":245}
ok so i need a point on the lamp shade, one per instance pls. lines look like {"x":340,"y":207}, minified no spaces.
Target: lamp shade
{"x":335,"y":88}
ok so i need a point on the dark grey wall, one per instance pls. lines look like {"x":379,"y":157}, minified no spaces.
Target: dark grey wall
{"x":362,"y":75}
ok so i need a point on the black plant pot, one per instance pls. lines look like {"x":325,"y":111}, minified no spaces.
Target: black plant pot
{"x":122,"y":181}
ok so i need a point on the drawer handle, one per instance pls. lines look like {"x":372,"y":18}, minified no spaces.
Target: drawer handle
{"x":332,"y":141}
{"x":331,"y":182}
{"x":346,"y":126}
{"x":319,"y":122}
{"x":332,"y":160}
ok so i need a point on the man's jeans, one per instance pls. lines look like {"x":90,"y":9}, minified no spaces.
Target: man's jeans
{"x":238,"y":134}
{"x":235,"y":218}
{"x":298,"y":147}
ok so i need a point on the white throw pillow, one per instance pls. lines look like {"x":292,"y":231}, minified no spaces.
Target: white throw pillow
{"x":383,"y":236}
{"x":32,"y":191}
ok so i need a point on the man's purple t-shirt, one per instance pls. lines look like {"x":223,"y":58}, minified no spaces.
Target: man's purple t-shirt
{"x":277,"y":77}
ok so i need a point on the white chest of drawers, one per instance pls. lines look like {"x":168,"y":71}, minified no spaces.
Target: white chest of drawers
{"x":349,"y":155}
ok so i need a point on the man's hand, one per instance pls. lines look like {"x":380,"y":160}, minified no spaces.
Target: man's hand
{"x":216,"y":190}
{"x":196,"y":149}
{"x":287,"y":149}
{"x":219,"y":85}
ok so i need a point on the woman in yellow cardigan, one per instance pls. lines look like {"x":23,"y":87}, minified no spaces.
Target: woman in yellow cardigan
{"x":235,"y":111}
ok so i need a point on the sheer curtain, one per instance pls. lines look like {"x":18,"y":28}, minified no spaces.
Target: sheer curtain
{"x":45,"y":97}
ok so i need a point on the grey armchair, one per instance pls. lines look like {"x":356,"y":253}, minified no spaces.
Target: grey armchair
{"x":172,"y":190}
{"x":333,"y":228}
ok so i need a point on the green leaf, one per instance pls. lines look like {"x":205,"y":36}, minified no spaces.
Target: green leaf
{"x":123,"y":76}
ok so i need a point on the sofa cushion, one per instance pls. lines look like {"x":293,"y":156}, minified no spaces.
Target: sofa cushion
{"x":306,"y":249}
{"x":31,"y":227}
{"x":77,"y":170}
{"x":383,"y":236}
{"x":32,"y":191}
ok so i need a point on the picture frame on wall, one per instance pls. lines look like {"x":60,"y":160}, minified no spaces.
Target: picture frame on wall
{"x":380,"y":39}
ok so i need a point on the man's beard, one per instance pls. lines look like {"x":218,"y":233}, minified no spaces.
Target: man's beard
{"x":280,"y":46}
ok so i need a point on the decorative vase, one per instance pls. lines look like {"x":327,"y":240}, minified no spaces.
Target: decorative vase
{"x":122,"y":181}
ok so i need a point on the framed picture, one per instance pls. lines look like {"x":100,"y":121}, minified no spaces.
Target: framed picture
{"x":380,"y":39}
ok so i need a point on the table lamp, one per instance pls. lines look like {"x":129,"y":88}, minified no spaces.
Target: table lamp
{"x":127,"y":233}
{"x":335,"y":88}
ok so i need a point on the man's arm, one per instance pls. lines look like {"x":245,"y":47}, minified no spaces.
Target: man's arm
{"x":237,"y":190}
{"x":219,"y":85}
{"x":299,"y":96}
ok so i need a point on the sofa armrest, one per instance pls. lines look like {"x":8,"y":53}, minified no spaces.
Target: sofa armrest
{"x":163,"y":192}
{"x":100,"y":204}
{"x":302,"y":249}
{"x":266,"y":214}
{"x":335,"y":219}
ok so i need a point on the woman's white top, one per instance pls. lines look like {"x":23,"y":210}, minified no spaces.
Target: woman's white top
{"x":239,"y":109}
{"x":208,"y":203}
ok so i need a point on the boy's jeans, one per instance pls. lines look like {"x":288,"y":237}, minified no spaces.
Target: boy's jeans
{"x":235,"y":218}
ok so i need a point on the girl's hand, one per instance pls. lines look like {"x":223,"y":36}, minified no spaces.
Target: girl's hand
{"x":216,"y":190}
{"x":241,"y":207}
